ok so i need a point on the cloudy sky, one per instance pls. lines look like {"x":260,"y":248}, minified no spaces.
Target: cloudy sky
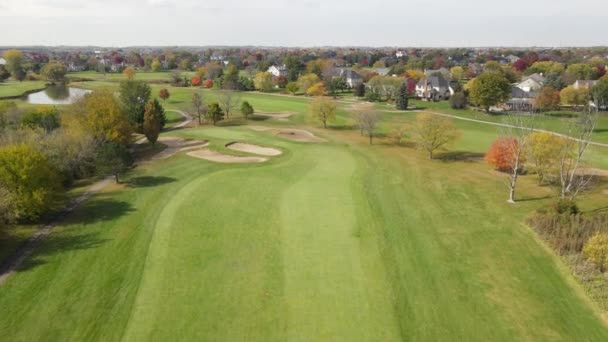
{"x":304,"y":22}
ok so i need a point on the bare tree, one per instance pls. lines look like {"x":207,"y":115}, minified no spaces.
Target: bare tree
{"x":199,"y":106}
{"x":357,"y":113}
{"x":517,"y":129}
{"x":572,"y":176}
{"x":368,"y":121}
{"x":228,"y":101}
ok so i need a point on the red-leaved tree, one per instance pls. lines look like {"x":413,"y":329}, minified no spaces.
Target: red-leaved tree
{"x":196,"y":81}
{"x":208,"y":84}
{"x":501,"y":154}
{"x":164,"y":94}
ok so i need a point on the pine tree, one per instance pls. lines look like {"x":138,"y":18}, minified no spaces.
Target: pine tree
{"x":402,"y":99}
{"x":360,"y":90}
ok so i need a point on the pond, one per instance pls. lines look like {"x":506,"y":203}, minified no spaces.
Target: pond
{"x":57,"y":95}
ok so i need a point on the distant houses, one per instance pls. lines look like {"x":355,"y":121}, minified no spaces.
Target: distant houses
{"x":531,"y":83}
{"x":584,"y":84}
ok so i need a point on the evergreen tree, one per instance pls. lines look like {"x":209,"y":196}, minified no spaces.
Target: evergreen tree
{"x":215,"y":112}
{"x":360,"y":90}
{"x":402,"y":98}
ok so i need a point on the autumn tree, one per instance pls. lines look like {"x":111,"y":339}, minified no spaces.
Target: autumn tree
{"x":457,"y":73}
{"x":433,"y":132}
{"x":196,"y":81}
{"x":45,"y":117}
{"x":543,"y":151}
{"x":596,"y":250}
{"x":458,"y":100}
{"x":101,"y":115}
{"x":208,"y":84}
{"x":501,"y":154}
{"x":489,"y":89}
{"x":199,"y":106}
{"x":307,"y":81}
{"x":292,"y":87}
{"x":156,"y":65}
{"x":29,"y":180}
{"x":129,"y":73}
{"x":154,"y":116}
{"x":215,"y":113}
{"x":134,"y":95}
{"x":574,"y":97}
{"x":246,"y":109}
{"x":54,"y":72}
{"x":367,"y":119}
{"x":230,"y":80}
{"x":317,"y":89}
{"x":402,"y":97}
{"x":323,"y":109}
{"x":164,"y":94}
{"x":516,"y":131}
{"x":14,"y":61}
{"x":263,"y":81}
{"x":547,"y":99}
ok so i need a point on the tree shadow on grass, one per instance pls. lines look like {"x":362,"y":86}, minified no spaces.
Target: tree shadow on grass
{"x":464,"y":156}
{"x":532,"y":199}
{"x":149,"y":181}
{"x":344,"y":127}
{"x":97,"y":209}
{"x":59,"y":243}
{"x":255,"y":117}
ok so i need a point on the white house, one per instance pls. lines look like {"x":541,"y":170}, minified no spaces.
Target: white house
{"x":2,"y":61}
{"x":277,"y":71}
{"x":531,"y":83}
{"x":382,"y":71}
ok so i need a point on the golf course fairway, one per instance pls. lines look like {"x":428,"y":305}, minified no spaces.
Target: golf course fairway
{"x":329,"y":241}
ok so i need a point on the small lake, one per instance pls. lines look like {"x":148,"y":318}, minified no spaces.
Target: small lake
{"x":57,"y":95}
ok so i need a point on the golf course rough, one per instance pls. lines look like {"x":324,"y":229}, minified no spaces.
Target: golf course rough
{"x":330,"y":241}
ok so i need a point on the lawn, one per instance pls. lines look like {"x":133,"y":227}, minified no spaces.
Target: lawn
{"x":12,"y":88}
{"x":330,"y":241}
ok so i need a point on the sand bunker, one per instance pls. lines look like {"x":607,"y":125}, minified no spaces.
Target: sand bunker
{"x":255,"y":149}
{"x":298,"y":135}
{"x":224,"y":158}
{"x":293,"y":134}
{"x":175,"y":145}
{"x":281,"y":116}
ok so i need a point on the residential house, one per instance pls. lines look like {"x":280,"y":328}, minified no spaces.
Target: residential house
{"x":72,"y":67}
{"x":353,"y":79}
{"x":382,"y":71}
{"x":442,"y":71}
{"x":521,"y":100}
{"x":584,"y":84}
{"x":2,"y":61}
{"x":278,"y":71}
{"x":512,"y":58}
{"x":434,"y":88}
{"x":531,"y":83}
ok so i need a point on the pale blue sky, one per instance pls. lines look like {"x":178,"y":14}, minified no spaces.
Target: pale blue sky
{"x":304,"y":23}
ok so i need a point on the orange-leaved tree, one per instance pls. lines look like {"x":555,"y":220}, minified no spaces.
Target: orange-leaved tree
{"x":502,"y":153}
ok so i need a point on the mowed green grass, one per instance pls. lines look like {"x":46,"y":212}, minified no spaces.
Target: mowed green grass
{"x":13,"y":88}
{"x":330,"y":241}
{"x":115,"y":77}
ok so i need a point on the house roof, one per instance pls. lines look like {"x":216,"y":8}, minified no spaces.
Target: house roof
{"x":518,"y":93}
{"x":536,"y":77}
{"x":382,"y":71}
{"x":436,"y":81}
{"x":348,"y":74}
{"x":585,"y":83}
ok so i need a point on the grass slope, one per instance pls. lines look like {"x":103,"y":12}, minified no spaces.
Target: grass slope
{"x":333,"y":241}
